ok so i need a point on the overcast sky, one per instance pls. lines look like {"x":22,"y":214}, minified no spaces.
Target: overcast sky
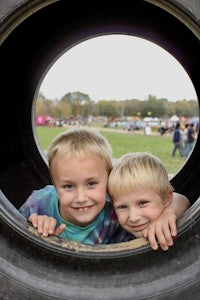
{"x":118,"y":67}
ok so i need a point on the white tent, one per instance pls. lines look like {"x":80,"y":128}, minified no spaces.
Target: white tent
{"x":174,"y":118}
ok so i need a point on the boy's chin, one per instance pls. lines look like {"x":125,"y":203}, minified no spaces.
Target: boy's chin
{"x":138,"y":234}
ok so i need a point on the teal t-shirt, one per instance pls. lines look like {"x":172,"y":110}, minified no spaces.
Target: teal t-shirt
{"x":104,"y":230}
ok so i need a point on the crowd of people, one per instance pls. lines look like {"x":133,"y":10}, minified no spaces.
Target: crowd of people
{"x":184,"y":139}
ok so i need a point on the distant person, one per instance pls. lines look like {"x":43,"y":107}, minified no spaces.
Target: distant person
{"x":185,"y":136}
{"x":190,"y":140}
{"x":177,"y":141}
{"x":162,"y":130}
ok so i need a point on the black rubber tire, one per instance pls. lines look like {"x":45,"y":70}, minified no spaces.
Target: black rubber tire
{"x":33,"y":34}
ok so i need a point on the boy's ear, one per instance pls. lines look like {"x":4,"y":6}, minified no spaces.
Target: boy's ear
{"x":168,"y":199}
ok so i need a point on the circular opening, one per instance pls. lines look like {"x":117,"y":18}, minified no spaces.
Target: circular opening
{"x":121,"y":83}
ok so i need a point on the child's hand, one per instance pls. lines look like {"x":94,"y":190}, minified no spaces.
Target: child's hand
{"x":162,"y":230}
{"x":46,"y":225}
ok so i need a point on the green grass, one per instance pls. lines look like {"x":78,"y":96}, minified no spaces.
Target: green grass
{"x":123,"y":142}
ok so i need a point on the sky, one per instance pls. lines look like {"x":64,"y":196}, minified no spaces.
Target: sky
{"x":118,"y":67}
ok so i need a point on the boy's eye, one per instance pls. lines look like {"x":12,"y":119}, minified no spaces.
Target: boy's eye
{"x":121,"y":207}
{"x":68,"y":186}
{"x":142,"y":203}
{"x":92,"y":183}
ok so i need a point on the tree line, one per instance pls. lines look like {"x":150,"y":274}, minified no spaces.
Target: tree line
{"x":79,"y":104}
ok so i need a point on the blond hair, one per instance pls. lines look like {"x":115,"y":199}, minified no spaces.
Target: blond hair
{"x":82,"y":143}
{"x":136,"y":171}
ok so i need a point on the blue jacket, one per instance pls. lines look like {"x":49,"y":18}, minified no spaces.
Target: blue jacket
{"x":176,"y":136}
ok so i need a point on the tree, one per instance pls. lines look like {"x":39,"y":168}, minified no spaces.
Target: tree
{"x":61,"y":109}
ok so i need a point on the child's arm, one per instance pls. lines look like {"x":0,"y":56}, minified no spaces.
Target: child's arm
{"x":163,"y":229}
{"x":46,"y":225}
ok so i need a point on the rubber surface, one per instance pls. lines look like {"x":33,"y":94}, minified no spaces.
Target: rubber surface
{"x":33,"y":35}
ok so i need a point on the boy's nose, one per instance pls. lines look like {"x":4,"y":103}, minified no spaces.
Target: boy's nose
{"x":81,"y":195}
{"x":134,"y":216}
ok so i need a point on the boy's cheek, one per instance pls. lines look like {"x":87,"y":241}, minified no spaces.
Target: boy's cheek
{"x":121,"y":219}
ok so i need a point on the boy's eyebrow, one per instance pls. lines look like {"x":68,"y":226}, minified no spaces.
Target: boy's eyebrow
{"x":94,"y":178}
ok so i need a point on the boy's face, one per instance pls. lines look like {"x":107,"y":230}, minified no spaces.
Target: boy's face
{"x":135,"y":211}
{"x":81,"y":186}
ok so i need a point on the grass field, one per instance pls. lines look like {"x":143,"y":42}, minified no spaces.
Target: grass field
{"x":123,"y":142}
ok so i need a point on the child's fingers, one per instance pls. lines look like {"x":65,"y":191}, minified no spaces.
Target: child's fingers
{"x":150,"y":234}
{"x":173,"y":227}
{"x":164,"y":238}
{"x":34,"y":220}
{"x":153,"y":242}
{"x":49,"y":225}
{"x":43,"y":225}
{"x":46,"y":225}
{"x":159,"y":235}
{"x":161,"y":232}
{"x":60,"y":229}
{"x":165,"y":234}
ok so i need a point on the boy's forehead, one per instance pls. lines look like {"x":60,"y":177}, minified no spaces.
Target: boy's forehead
{"x":79,"y":157}
{"x":138,"y":194}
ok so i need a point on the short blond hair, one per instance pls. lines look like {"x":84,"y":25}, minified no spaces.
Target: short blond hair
{"x":138,"y":170}
{"x":82,"y":143}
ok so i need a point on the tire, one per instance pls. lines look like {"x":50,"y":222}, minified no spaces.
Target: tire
{"x":33,"y":34}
